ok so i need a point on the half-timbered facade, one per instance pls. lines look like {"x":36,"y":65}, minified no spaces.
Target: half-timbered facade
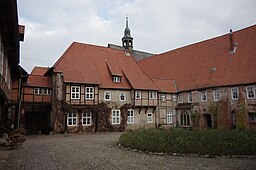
{"x":210,"y":84}
{"x":10,"y":35}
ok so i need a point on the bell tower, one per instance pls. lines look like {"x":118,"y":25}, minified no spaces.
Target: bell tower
{"x":127,"y":40}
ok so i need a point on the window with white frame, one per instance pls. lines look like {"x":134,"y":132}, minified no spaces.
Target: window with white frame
{"x":122,"y":96}
{"x":180,"y":98}
{"x":149,"y":117}
{"x":42,"y":91}
{"x":184,"y":118}
{"x":72,"y":118}
{"x":169,"y":117}
{"x":203,"y":96}
{"x":116,"y":117}
{"x":163,"y":97}
{"x":250,"y":92}
{"x":216,"y":95}
{"x":107,"y":95}
{"x":189,"y":97}
{"x":89,"y":93}
{"x":116,"y":79}
{"x":75,"y":92}
{"x":130,"y":118}
{"x":234,"y":93}
{"x":137,"y":94}
{"x":86,"y":117}
{"x":152,"y":95}
{"x":252,"y":117}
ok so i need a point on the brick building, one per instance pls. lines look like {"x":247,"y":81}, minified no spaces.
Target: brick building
{"x":210,"y":84}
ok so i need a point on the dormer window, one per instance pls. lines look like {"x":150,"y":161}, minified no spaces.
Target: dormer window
{"x":116,"y":79}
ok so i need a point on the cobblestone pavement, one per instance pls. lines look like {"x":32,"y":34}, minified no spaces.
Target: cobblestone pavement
{"x":100,"y":151}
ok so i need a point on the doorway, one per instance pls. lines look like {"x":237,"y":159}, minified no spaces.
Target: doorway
{"x":208,"y":119}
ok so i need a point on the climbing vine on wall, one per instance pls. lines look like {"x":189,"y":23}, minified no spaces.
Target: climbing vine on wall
{"x":213,"y":108}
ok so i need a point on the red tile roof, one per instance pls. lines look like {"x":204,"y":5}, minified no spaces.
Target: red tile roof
{"x":207,"y":63}
{"x":84,"y":63}
{"x":40,"y":71}
{"x":165,"y":85}
{"x":37,"y":78}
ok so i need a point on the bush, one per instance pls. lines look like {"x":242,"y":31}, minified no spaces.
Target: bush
{"x":17,"y":135}
{"x":196,"y":141}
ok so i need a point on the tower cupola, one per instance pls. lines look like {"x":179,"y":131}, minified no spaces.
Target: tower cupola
{"x":127,"y":40}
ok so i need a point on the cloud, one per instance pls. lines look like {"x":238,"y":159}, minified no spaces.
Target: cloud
{"x":156,"y":26}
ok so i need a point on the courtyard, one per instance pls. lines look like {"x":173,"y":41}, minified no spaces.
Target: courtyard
{"x":100,"y":151}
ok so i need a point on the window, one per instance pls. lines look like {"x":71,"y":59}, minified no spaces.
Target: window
{"x":180,"y":98}
{"x":203,"y":96}
{"x":72,"y":118}
{"x":46,"y":91}
{"x":137,"y":94}
{"x":150,"y":118}
{"x":189,"y":97}
{"x":122,"y":96}
{"x":152,"y":95}
{"x":89,"y":93}
{"x":75,"y":92}
{"x":116,"y":79}
{"x":42,"y":91}
{"x":250,"y":92}
{"x":86,"y":117}
{"x":234,"y":93}
{"x":216,"y":95}
{"x":169,"y":117}
{"x":130,"y":119}
{"x":163,"y":98}
{"x":36,"y":91}
{"x":116,"y":117}
{"x":184,"y":118}
{"x":107,"y":95}
{"x":252,"y":117}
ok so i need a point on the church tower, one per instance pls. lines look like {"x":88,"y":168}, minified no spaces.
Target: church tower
{"x":127,"y":40}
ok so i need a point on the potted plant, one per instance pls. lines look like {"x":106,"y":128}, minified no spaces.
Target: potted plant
{"x":17,"y":138}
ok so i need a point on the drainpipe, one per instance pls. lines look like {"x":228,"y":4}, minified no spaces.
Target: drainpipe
{"x":19,"y":102}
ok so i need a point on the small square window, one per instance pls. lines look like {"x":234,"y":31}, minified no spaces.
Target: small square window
{"x":122,"y":96}
{"x":252,"y":117}
{"x":137,"y":94}
{"x":152,"y":95}
{"x":203,"y":96}
{"x":234,"y":93}
{"x":250,"y":92}
{"x":107,"y":95}
{"x":117,"y":79}
{"x":150,"y":118}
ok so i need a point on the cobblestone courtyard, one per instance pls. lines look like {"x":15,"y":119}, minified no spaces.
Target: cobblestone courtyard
{"x":100,"y":151}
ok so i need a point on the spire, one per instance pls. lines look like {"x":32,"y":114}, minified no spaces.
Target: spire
{"x":127,"y":39}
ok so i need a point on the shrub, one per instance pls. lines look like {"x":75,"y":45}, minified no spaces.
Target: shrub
{"x":195,"y":141}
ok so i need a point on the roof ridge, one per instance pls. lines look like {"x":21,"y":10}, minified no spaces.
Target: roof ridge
{"x":200,"y":42}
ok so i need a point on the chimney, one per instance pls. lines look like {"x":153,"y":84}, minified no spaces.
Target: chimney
{"x":231,"y":41}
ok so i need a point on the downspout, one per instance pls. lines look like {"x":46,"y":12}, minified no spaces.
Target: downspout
{"x":19,"y":102}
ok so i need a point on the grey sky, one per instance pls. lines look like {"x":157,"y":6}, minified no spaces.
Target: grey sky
{"x":156,"y":26}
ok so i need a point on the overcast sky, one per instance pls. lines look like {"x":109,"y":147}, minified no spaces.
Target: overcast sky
{"x":157,"y":26}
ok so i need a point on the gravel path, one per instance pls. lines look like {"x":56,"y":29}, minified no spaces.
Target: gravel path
{"x":100,"y":151}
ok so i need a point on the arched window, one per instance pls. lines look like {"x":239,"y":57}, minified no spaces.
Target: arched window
{"x":184,"y":118}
